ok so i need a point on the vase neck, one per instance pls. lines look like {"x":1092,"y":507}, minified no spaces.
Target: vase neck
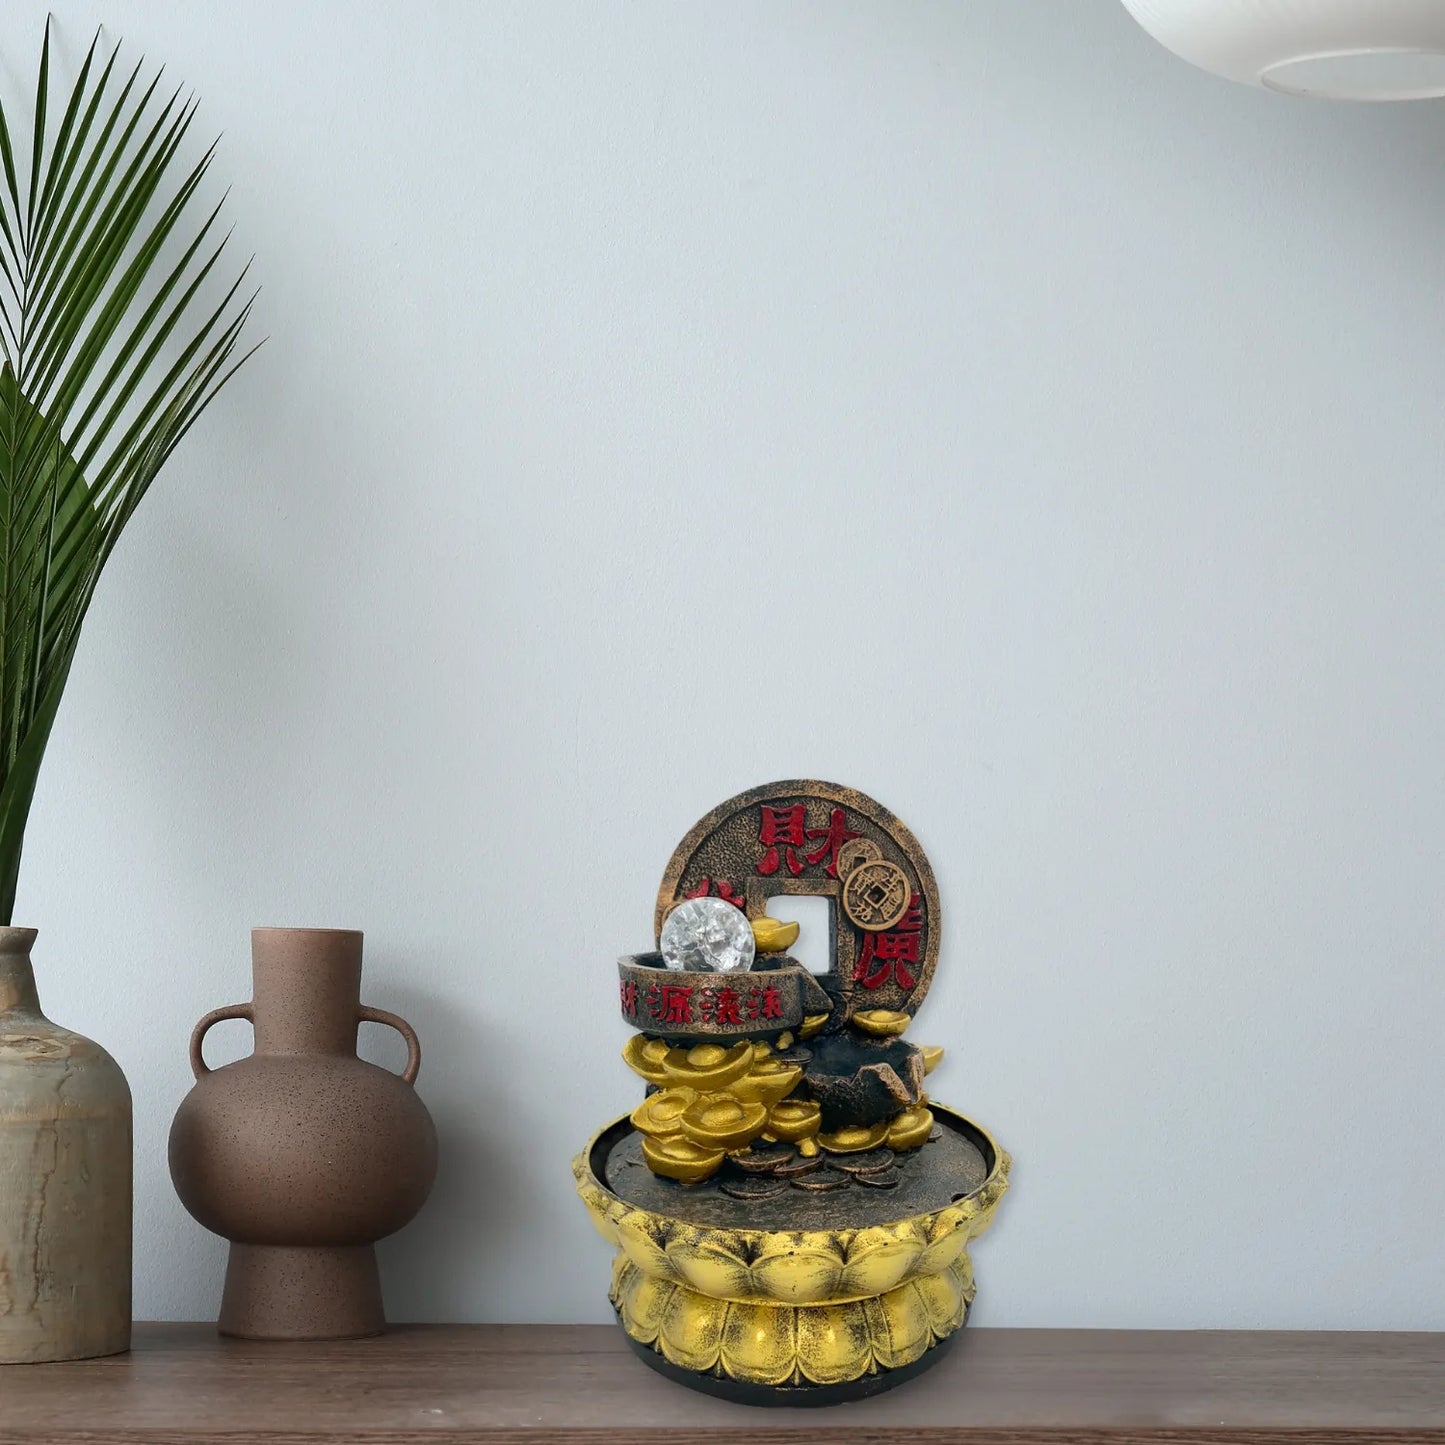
{"x":306,"y":990}
{"x":17,"y":977}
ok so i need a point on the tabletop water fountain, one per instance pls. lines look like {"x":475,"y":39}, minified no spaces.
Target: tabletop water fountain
{"x":791,"y":1210}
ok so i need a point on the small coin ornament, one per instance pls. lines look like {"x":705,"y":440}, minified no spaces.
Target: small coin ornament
{"x":707,"y":935}
{"x":875,"y":895}
{"x":854,"y":852}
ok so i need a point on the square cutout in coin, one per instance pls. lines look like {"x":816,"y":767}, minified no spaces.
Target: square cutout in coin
{"x":817,"y":924}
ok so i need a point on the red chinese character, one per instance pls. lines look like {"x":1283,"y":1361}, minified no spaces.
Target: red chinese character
{"x":887,"y":955}
{"x":671,"y":1003}
{"x":782,"y":829}
{"x":727,"y":1007}
{"x":725,"y":891}
{"x":834,"y":836}
{"x":629,"y":997}
{"x":764,"y":1003}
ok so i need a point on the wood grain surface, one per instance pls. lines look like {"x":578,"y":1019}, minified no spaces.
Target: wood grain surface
{"x":182,"y":1385}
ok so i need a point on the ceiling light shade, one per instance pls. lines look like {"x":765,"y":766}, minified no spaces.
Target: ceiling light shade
{"x":1333,"y":49}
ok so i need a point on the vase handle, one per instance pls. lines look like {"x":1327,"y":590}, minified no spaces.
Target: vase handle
{"x":413,"y":1044}
{"x":231,"y":1011}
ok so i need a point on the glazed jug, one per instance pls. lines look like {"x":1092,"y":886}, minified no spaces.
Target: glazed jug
{"x":65,"y":1181}
{"x":303,"y":1155}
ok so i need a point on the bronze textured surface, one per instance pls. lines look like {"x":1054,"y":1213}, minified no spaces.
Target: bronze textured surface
{"x":580,"y":1385}
{"x":932,"y":1177}
{"x":789,"y":838}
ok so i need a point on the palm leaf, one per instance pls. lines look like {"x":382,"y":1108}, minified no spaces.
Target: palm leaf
{"x":113,"y":346}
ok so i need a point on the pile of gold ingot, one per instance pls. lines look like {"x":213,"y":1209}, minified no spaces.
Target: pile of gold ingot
{"x":712,"y":1101}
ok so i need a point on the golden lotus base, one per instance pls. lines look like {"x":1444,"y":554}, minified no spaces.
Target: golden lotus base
{"x":791,"y":1314}
{"x":762,"y":1353}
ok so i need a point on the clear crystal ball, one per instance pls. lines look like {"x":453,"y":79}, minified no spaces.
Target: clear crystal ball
{"x":707,"y":935}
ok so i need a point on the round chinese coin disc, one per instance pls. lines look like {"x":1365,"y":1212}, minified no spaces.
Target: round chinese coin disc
{"x":875,"y":895}
{"x":805,"y":837}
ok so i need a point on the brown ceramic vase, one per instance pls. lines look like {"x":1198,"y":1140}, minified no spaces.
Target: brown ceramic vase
{"x":302,"y":1155}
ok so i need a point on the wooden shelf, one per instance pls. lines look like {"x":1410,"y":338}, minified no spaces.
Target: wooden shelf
{"x":500,"y":1384}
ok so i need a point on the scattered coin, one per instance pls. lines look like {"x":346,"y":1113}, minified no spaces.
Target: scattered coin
{"x":884,"y":1179}
{"x":753,"y":1187}
{"x":765,"y":1160}
{"x":854,"y":852}
{"x":796,"y":1167}
{"x":935,"y":1134}
{"x":822,"y":1183}
{"x":871,"y":1161}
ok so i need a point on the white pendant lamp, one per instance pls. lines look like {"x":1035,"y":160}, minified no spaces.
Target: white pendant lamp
{"x":1333,"y":49}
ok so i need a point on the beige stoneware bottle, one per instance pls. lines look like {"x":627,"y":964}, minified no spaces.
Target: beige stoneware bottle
{"x":65,"y":1181}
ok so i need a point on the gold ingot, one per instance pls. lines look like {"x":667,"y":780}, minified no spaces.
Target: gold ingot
{"x":645,"y":1056}
{"x":932,"y":1056}
{"x":794,"y":1120}
{"x":882,"y":1023}
{"x":771,"y":936}
{"x":676,"y":1157}
{"x":767,"y":1082}
{"x":911,"y":1128}
{"x":785,"y":1041}
{"x":660,"y":1114}
{"x":719,"y":1121}
{"x":811,"y":1024}
{"x":708,"y":1067}
{"x":854,"y":1138}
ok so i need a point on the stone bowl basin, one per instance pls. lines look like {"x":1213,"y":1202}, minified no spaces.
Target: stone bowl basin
{"x":759,"y":1003}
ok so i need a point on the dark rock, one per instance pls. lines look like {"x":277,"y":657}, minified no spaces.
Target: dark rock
{"x":863,"y":1080}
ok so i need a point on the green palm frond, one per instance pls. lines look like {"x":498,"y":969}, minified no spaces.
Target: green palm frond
{"x":110,"y":353}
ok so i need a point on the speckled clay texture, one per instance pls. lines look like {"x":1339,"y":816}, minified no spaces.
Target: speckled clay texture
{"x":303,"y":1155}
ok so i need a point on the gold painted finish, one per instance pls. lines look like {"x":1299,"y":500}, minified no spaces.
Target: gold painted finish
{"x":776,"y":1307}
{"x":772,"y":936}
{"x":719,"y":1121}
{"x":882,"y":1023}
{"x":854,"y":1139}
{"x":794,"y":1120}
{"x":675,"y":1157}
{"x":708,"y":1067}
{"x":661,"y":1113}
{"x":644,"y":1056}
{"x":932,"y":1056}
{"x":910,"y":1129}
{"x":777,"y":1344}
{"x":768,"y":1081}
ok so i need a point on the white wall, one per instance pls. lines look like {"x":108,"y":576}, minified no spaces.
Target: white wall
{"x":962,"y":400}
